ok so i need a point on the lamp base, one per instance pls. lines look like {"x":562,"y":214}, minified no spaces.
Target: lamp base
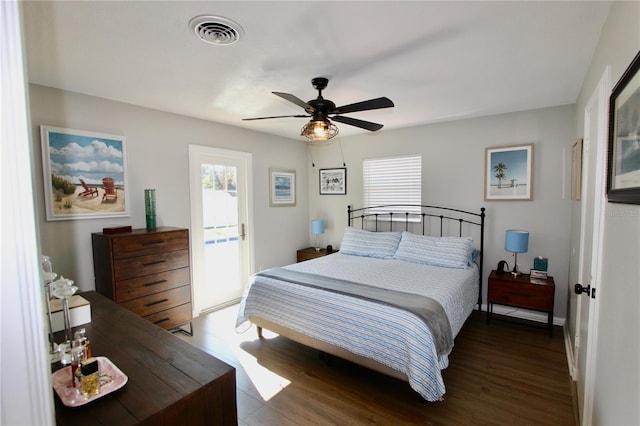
{"x":515,"y":272}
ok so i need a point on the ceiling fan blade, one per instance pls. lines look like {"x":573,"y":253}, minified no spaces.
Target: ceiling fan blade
{"x":367,"y":125}
{"x":276,"y":116}
{"x":291,"y":98}
{"x":376,"y":103}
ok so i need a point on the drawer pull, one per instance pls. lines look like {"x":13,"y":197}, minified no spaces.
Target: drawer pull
{"x":162,"y":320}
{"x":155,"y":283}
{"x":157,"y":302}
{"x":152,"y":242}
{"x":155,"y":262}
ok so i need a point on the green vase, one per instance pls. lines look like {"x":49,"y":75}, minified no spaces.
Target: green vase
{"x":150,"y":208}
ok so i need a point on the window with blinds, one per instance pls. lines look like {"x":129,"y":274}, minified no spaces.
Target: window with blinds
{"x":392,"y":180}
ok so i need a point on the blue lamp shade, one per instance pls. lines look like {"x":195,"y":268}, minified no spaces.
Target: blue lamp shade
{"x":516,"y":241}
{"x":317,"y":227}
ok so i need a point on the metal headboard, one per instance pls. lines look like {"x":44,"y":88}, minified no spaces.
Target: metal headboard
{"x":376,"y":216}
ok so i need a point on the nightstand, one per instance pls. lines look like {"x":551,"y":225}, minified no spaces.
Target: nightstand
{"x":520,"y":292}
{"x":311,"y":253}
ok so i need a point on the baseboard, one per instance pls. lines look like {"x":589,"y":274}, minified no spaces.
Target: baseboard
{"x":524,"y":314}
{"x":568,"y":347}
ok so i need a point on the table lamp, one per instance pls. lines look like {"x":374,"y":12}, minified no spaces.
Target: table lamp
{"x":516,"y":242}
{"x":317,"y":229}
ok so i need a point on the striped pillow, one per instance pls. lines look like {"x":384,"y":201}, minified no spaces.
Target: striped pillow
{"x":358,"y":242}
{"x":448,"y":252}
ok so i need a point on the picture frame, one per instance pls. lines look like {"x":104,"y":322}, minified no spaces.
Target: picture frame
{"x":623,"y":177}
{"x":333,"y":181}
{"x":282,"y":188}
{"x":576,"y":170}
{"x":84,"y":173}
{"x":508,"y":174}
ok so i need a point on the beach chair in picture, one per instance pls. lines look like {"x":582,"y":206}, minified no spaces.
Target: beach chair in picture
{"x":88,"y":190}
{"x":110,"y":191}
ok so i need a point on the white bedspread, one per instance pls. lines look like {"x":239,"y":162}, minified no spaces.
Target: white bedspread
{"x":391,"y":336}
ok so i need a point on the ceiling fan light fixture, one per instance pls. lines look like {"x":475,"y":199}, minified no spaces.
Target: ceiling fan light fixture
{"x":319,"y":130}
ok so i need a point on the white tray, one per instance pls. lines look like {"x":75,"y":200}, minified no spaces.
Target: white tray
{"x":71,"y":398}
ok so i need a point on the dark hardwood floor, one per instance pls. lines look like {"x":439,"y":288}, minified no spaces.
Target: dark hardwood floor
{"x":499,"y":374}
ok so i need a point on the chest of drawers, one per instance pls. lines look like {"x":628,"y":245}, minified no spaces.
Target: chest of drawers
{"x":147,"y":272}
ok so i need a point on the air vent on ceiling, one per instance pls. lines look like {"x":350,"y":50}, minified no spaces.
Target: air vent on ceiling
{"x":216,"y":29}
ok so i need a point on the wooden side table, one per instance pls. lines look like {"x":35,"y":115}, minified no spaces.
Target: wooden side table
{"x":520,"y":292}
{"x":311,"y":253}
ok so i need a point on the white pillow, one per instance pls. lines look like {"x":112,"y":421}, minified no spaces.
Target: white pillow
{"x":448,"y":252}
{"x":358,"y":242}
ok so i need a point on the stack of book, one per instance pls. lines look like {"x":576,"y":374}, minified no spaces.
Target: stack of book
{"x":539,"y":271}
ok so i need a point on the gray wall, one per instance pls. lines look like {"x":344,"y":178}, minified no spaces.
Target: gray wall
{"x":617,"y":389}
{"x":453,"y":175}
{"x":157,"y":151}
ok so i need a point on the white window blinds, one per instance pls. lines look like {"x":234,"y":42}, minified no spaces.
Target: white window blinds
{"x":392,"y":180}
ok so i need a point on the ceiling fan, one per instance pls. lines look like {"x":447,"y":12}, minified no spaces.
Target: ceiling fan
{"x":320,"y":128}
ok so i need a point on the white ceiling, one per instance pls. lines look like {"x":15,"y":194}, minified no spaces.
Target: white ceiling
{"x":437,"y":61}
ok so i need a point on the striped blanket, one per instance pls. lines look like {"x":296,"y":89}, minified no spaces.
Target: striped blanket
{"x":387,"y":334}
{"x":425,"y":308}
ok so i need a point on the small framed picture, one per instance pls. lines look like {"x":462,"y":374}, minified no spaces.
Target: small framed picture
{"x":508,"y":173}
{"x":623,"y":184}
{"x":282,"y":188}
{"x":333,"y":181}
{"x":85,"y":174}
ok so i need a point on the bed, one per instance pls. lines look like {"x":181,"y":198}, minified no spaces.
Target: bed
{"x":392,"y":299}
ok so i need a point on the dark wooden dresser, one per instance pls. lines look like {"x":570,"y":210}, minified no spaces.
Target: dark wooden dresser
{"x":170,"y":382}
{"x":147,"y":272}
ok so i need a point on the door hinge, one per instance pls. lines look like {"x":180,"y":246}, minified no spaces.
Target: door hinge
{"x":593,"y":293}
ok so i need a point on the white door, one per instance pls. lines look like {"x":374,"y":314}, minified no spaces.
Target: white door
{"x":220,"y":225}
{"x":592,"y":217}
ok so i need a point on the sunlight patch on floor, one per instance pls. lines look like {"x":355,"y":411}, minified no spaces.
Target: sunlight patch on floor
{"x":266,"y":382}
{"x":224,"y":334}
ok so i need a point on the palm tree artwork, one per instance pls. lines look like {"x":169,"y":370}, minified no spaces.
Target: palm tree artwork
{"x":500,"y":174}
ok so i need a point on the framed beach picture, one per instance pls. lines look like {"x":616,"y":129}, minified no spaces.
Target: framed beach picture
{"x":333,"y":181}
{"x":84,"y":174}
{"x":623,"y":179}
{"x":282,"y":188}
{"x":508,"y":174}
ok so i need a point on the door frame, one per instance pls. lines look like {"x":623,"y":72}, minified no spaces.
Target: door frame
{"x":25,"y":357}
{"x":597,"y":107}
{"x":195,"y":184}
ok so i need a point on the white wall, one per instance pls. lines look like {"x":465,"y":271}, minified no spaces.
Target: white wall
{"x":617,"y":389}
{"x":453,"y":175}
{"x":157,"y":151}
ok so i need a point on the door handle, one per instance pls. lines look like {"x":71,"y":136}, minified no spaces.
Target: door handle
{"x":579,"y":289}
{"x":242,"y":233}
